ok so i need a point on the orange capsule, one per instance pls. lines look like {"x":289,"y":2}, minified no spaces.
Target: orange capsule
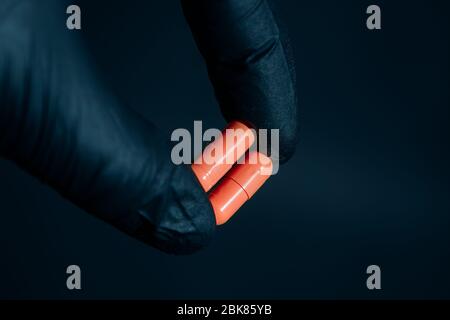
{"x":239,"y":185}
{"x":220,"y":155}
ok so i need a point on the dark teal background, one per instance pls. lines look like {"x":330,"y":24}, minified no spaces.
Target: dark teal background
{"x":369,"y":184}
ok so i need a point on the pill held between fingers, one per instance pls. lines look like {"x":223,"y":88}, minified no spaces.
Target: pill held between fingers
{"x":220,"y":155}
{"x":239,"y":185}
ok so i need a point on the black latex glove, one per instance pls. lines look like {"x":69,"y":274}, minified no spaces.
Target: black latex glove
{"x":59,"y":122}
{"x":250,"y":64}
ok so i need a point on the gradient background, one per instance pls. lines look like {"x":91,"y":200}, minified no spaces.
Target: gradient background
{"x":369,"y":183}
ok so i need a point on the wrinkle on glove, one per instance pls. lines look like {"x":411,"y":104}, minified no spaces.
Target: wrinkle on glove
{"x":249,"y":63}
{"x":58,"y":122}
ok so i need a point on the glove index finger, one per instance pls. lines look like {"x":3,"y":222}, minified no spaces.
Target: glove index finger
{"x":249,"y":64}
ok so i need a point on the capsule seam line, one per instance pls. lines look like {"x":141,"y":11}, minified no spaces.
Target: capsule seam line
{"x":248,"y":197}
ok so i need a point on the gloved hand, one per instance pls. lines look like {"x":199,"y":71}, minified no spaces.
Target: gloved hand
{"x":60,"y":123}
